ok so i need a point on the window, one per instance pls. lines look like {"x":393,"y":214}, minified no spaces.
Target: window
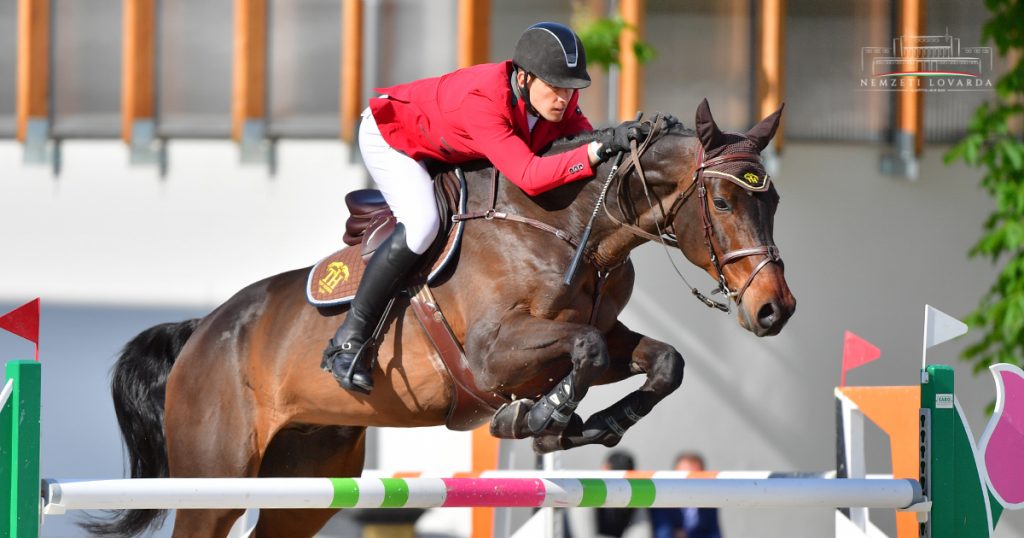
{"x":703,"y":50}
{"x":415,"y":39}
{"x":947,"y":113}
{"x":8,"y":68}
{"x":823,"y":97}
{"x":194,"y":47}
{"x":305,"y":59}
{"x":86,"y":70}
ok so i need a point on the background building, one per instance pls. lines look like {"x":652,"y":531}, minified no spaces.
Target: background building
{"x":119,"y":236}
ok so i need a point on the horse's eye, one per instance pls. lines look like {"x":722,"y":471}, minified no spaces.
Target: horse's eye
{"x":721,"y":204}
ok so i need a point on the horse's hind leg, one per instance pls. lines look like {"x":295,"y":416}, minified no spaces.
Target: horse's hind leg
{"x":332,"y":451}
{"x":210,"y":432}
{"x":664,"y":368}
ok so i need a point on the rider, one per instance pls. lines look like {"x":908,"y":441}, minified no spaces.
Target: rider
{"x":504,"y":112}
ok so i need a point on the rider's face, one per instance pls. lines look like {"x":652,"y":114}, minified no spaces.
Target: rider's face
{"x":550,"y":101}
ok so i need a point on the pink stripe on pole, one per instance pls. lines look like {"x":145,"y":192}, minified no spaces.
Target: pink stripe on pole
{"x":494,"y":492}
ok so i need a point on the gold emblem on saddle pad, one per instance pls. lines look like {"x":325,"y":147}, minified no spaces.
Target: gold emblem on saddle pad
{"x":337,"y":272}
{"x":751,"y":178}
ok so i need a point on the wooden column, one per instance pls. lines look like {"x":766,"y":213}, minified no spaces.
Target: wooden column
{"x":474,"y":32}
{"x":630,"y":72}
{"x":909,"y":122}
{"x":138,"y":60}
{"x":351,"y":67}
{"x":771,"y":61}
{"x":33,"y":63}
{"x":250,"y":65}
{"x":485,"y":453}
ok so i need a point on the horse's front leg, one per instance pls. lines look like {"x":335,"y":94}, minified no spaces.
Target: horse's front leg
{"x":522,"y":352}
{"x":664,"y":368}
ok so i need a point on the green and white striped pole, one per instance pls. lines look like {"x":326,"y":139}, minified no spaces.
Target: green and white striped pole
{"x":189,"y":493}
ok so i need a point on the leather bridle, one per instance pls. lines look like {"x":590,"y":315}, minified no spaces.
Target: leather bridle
{"x":666,"y":233}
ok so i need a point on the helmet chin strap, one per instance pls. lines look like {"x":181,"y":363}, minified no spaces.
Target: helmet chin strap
{"x":523,"y":92}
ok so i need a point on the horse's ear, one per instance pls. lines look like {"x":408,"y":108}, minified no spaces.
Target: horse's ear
{"x":762,"y":133}
{"x":709,"y":134}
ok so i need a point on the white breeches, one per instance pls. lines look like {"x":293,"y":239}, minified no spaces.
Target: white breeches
{"x":405,"y":184}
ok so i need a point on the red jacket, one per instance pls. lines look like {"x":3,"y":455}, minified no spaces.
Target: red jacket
{"x":472,"y":114}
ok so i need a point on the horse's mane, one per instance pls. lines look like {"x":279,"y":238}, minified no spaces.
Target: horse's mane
{"x":672,"y":124}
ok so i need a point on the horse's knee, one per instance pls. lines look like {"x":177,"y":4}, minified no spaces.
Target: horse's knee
{"x":590,"y":352}
{"x":667,"y":373}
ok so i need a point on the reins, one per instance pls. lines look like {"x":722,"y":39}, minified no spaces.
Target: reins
{"x":667,"y":236}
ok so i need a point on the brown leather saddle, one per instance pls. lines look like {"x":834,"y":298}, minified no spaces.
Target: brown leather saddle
{"x":334,"y":280}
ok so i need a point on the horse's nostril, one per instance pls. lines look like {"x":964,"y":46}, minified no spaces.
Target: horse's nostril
{"x":767,"y":315}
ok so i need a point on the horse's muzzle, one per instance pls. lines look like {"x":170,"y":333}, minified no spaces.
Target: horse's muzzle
{"x":766,"y":309}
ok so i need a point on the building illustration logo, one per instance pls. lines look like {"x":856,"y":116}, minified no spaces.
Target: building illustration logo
{"x":936,"y":63}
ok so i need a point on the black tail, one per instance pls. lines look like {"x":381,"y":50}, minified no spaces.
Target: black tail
{"x":138,"y":383}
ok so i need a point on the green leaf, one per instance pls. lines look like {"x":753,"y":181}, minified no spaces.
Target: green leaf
{"x":954,"y":153}
{"x":600,"y":37}
{"x":998,"y":150}
{"x":971,"y":146}
{"x":1014,"y":152}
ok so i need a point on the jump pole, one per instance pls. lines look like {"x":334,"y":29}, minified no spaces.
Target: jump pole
{"x":179,"y":493}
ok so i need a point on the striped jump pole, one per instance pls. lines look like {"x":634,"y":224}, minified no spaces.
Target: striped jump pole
{"x":177,"y":493}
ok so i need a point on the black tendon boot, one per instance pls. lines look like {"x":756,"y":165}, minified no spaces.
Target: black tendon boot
{"x":351,"y":353}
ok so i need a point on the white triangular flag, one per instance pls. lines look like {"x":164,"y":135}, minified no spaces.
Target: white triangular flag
{"x":938,"y":328}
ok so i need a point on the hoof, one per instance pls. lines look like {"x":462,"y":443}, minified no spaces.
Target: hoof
{"x":509,"y":421}
{"x":570,"y":438}
{"x":548,"y":443}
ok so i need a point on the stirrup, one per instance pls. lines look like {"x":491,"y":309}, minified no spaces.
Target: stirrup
{"x":347,"y":380}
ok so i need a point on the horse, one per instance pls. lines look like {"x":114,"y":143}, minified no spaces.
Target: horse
{"x":241,"y":393}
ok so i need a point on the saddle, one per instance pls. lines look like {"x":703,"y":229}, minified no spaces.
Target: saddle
{"x":334,"y":280}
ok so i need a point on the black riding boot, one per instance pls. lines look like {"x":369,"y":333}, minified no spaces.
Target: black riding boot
{"x":349,"y":354}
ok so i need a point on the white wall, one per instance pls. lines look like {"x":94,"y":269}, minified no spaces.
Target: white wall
{"x":105,"y":232}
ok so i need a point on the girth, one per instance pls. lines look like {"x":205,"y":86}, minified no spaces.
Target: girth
{"x":603,"y":272}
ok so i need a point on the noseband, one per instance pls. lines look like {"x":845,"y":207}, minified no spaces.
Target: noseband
{"x":667,"y":236}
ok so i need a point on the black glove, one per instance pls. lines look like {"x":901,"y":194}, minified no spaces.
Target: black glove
{"x":617,"y":138}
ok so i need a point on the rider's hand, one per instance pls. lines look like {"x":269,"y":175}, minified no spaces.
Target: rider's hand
{"x":617,"y":138}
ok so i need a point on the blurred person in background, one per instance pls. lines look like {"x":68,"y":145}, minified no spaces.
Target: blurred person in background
{"x":686,"y":522}
{"x":614,"y":521}
{"x":610,"y":522}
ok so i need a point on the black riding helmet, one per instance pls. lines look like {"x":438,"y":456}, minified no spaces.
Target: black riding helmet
{"x":554,"y":53}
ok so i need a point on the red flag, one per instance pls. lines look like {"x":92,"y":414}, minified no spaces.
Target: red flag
{"x":856,"y":352}
{"x":24,"y":322}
